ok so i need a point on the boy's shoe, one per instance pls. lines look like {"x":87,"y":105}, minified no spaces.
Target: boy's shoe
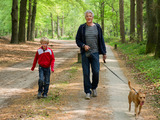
{"x":45,"y":96}
{"x":94,"y":93}
{"x":88,"y":96}
{"x":39,"y":95}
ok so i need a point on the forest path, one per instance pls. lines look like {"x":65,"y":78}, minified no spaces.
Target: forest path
{"x":110,"y":104}
{"x":18,"y":78}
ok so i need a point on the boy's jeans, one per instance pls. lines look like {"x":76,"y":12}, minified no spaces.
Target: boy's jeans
{"x":93,"y":60}
{"x":44,"y":80}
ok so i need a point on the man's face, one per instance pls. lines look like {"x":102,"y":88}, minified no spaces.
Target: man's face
{"x":89,"y":18}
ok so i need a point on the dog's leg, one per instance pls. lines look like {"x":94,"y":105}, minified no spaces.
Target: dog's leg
{"x":129,"y":101}
{"x":136,"y":110}
{"x":140,"y":107}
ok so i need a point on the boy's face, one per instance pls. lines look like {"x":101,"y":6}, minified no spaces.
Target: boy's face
{"x":44,"y":45}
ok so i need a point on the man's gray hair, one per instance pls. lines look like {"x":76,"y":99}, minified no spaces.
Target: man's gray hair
{"x":89,"y":11}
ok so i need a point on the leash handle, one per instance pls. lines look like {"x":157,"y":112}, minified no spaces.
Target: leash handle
{"x":104,"y":61}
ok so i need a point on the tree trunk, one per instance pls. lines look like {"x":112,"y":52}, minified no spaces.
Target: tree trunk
{"x":157,"y":52}
{"x":121,"y":10}
{"x":54,"y":29}
{"x":22,"y":21}
{"x":29,"y":21}
{"x":139,"y":20}
{"x":36,"y":33}
{"x":151,"y":27}
{"x":58,"y":32}
{"x":14,"y":15}
{"x":62,"y":28}
{"x":52,"y":26}
{"x":33,"y":20}
{"x":102,"y":16}
{"x":132,"y":20}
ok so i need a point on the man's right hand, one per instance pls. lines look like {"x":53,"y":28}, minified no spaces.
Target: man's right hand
{"x":86,"y":47}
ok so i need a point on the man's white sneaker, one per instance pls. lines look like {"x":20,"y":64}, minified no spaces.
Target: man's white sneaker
{"x":88,"y":96}
{"x":94,"y":93}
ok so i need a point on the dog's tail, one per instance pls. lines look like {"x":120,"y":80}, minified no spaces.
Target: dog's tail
{"x":129,"y":84}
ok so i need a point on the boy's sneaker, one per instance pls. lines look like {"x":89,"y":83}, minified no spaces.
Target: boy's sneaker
{"x":39,"y":95}
{"x":45,"y":96}
{"x":88,"y":96}
{"x":94,"y":93}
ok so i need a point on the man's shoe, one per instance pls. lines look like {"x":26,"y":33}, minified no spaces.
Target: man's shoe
{"x":94,"y":93}
{"x":88,"y":96}
{"x":39,"y":95}
{"x":45,"y":96}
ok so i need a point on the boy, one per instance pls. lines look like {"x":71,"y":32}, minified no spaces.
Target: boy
{"x":45,"y":58}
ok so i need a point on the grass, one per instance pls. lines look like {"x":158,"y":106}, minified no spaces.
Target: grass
{"x":144,"y":63}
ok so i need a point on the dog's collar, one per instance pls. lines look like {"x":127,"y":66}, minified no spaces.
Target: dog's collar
{"x":135,"y":91}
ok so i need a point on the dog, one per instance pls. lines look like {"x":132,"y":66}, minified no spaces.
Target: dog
{"x":137,"y":97}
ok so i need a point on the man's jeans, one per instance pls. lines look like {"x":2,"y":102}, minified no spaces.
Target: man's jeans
{"x":44,"y":80}
{"x":93,"y":60}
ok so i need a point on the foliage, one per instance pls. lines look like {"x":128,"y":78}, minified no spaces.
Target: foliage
{"x":73,"y":13}
{"x":5,"y":17}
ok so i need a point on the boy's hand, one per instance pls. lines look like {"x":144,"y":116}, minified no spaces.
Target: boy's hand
{"x":32,"y":69}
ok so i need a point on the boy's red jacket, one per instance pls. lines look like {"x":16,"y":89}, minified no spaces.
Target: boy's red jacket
{"x":45,"y":58}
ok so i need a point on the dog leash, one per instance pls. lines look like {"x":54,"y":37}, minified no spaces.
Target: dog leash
{"x":116,"y":74}
{"x":109,"y":69}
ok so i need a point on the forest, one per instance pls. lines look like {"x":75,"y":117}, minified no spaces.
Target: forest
{"x":133,"y":26}
{"x":134,"y":21}
{"x":131,"y":21}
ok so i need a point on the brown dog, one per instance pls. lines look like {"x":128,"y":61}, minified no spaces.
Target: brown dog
{"x":137,"y":97}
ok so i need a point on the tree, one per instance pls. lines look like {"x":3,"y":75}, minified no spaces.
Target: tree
{"x":151,"y":27}
{"x":14,"y":14}
{"x":29,"y":21}
{"x":132,"y":20}
{"x":157,"y":52}
{"x":121,"y":10}
{"x":102,"y":16}
{"x":52,"y":26}
{"x":62,"y":26}
{"x":22,"y":21}
{"x":58,"y":30}
{"x":33,"y":20}
{"x":139,"y":20}
{"x":114,"y":16}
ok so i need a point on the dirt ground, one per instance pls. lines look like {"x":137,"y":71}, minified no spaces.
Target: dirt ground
{"x":65,"y":99}
{"x":15,"y":53}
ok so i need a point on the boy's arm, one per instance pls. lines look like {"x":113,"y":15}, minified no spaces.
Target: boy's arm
{"x":52,"y":62}
{"x":35,"y":61}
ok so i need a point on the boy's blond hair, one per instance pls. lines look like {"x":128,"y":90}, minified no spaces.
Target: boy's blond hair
{"x":44,"y":39}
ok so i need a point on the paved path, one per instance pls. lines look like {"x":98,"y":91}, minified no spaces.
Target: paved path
{"x":118,"y":90}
